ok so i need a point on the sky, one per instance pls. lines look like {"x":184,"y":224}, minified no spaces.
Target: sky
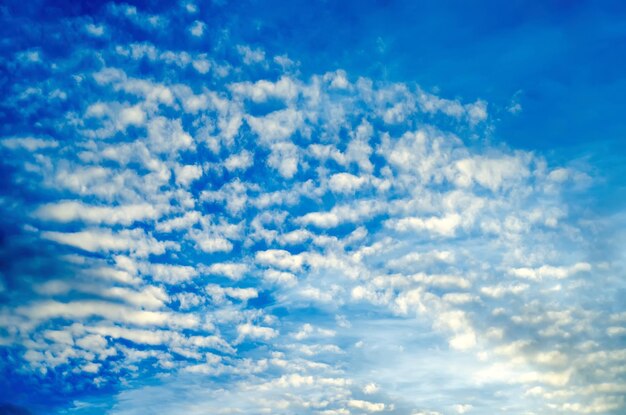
{"x":312,"y":207}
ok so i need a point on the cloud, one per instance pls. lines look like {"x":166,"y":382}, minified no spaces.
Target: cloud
{"x":276,"y":126}
{"x":241,"y":161}
{"x":177,"y":223}
{"x":197,"y":28}
{"x":445,"y":226}
{"x":185,"y":175}
{"x":284,"y":157}
{"x":260,"y":91}
{"x":500,"y":290}
{"x":80,"y":309}
{"x":249,"y":55}
{"x":94,"y":30}
{"x":280,"y":259}
{"x":345,"y":183}
{"x":132,"y":116}
{"x":339,"y":214}
{"x":370,"y":388}
{"x":231,"y":270}
{"x":255,"y":332}
{"x":205,"y":227}
{"x":28,"y":143}
{"x":366,"y":406}
{"x":490,"y":173}
{"x":69,"y":211}
{"x":218,"y":293}
{"x":462,"y":408}
{"x":547,"y":271}
{"x":279,"y":277}
{"x":102,"y":240}
{"x":171,"y":274}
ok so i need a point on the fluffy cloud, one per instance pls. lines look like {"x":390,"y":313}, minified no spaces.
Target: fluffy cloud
{"x":68,"y":211}
{"x":547,"y":271}
{"x":103,"y":240}
{"x":294,"y":242}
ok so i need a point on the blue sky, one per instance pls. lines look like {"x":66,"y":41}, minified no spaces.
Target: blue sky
{"x":312,"y":208}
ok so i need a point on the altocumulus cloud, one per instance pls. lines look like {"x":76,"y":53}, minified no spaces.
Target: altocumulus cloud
{"x":211,"y":231}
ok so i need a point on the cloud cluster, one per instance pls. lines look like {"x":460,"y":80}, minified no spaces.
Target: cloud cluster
{"x":327,"y":244}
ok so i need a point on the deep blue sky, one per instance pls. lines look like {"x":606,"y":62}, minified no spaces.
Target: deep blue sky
{"x":320,"y":207}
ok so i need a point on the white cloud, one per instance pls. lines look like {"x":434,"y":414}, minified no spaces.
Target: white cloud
{"x":559,"y":175}
{"x":212,"y":243}
{"x":345,"y":183}
{"x":416,"y":258}
{"x":500,"y":290}
{"x":352,"y":211}
{"x":444,"y":226}
{"x":233,"y":193}
{"x":340,"y":214}
{"x":202,"y":65}
{"x":491,"y":173}
{"x":28,"y":143}
{"x":178,"y":223}
{"x":279,"y":277}
{"x":295,"y":237}
{"x":168,"y":273}
{"x":150,"y":297}
{"x":366,"y":405}
{"x":94,"y":30}
{"x":231,"y":270}
{"x":218,"y":293}
{"x":316,"y":294}
{"x":280,"y":259}
{"x":462,"y":408}
{"x":68,"y":211}
{"x":548,"y":271}
{"x":197,"y":28}
{"x":250,"y":56}
{"x":285,"y":158}
{"x":249,"y":330}
{"x":370,"y":388}
{"x":241,"y":161}
{"x":168,"y":136}
{"x":132,"y":116}
{"x":459,"y":298}
{"x":103,"y":240}
{"x":338,"y":79}
{"x":285,"y":88}
{"x":276,"y":126}
{"x":185,"y":175}
{"x":441,"y":280}
{"x":476,"y":112}
{"x":47,"y":310}
{"x":92,"y":342}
